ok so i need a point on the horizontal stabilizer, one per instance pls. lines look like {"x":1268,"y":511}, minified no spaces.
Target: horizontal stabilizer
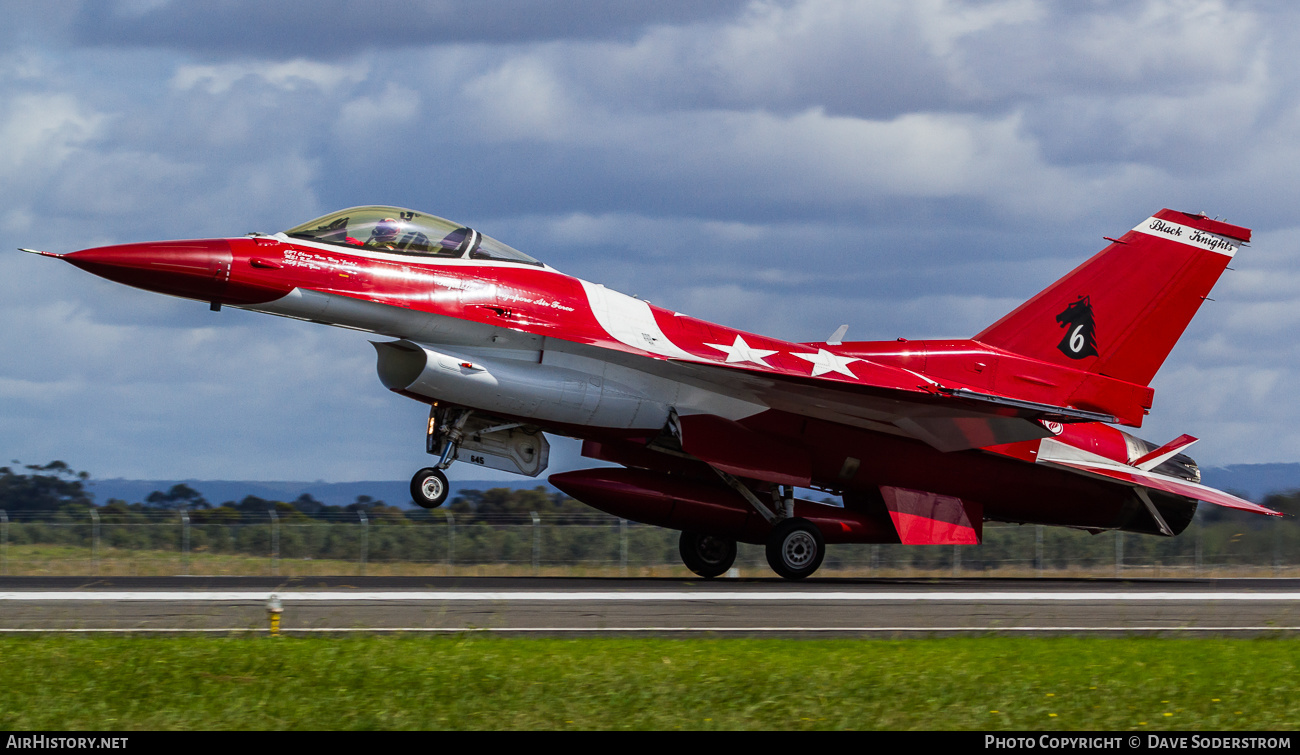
{"x":924,"y":518}
{"x":1061,"y":454}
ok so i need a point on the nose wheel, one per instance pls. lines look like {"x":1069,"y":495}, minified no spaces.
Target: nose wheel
{"x":429,"y":488}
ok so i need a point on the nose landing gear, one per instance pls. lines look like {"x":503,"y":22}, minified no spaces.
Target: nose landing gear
{"x":429,"y":486}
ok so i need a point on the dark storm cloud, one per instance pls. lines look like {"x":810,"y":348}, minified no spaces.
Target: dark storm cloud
{"x":337,"y":28}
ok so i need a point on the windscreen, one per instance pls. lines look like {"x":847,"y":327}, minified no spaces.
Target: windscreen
{"x":489,"y":248}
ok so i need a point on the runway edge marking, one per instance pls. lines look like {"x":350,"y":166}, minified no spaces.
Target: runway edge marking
{"x":509,"y":596}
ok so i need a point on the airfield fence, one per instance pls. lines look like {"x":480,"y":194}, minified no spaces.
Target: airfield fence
{"x":442,"y":544}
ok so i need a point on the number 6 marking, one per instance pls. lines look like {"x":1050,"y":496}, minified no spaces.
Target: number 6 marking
{"x":1076,"y":339}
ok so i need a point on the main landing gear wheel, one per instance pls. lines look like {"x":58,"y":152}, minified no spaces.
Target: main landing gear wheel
{"x":795,"y":548}
{"x":707,"y":555}
{"x":429,"y":488}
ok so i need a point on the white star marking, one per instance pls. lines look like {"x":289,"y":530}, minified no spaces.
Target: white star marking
{"x":824,"y":361}
{"x":741,"y":352}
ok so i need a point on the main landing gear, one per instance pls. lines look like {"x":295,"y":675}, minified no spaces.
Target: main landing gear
{"x":707,"y":555}
{"x":795,"y":548}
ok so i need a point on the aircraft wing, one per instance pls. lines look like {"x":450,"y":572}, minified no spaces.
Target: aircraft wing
{"x":808,"y":379}
{"x":884,"y":399}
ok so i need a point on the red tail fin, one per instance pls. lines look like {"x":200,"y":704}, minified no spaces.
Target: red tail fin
{"x":1120,"y":313}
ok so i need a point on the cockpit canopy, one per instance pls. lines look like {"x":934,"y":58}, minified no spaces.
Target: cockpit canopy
{"x":393,"y":229}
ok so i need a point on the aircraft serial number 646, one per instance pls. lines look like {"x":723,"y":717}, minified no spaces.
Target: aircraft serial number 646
{"x":714,"y":427}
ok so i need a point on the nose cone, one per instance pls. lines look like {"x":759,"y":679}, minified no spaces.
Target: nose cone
{"x":192,"y":269}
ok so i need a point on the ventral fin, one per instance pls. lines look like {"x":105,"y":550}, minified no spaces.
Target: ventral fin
{"x":924,"y":518}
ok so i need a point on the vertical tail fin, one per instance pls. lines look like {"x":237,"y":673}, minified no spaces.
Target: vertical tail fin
{"x":1120,"y":313}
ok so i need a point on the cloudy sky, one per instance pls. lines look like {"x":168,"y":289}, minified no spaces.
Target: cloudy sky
{"x":913,"y":168}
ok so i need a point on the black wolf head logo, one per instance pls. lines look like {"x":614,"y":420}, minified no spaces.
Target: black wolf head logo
{"x":1080,"y":329}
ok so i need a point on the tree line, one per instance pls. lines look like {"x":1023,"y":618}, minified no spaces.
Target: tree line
{"x":50,"y":504}
{"x":56,"y":488}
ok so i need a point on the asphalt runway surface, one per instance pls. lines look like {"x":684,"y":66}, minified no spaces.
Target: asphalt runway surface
{"x":665,"y":607}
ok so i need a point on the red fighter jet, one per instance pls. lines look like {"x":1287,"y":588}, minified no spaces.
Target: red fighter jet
{"x":923,"y":441}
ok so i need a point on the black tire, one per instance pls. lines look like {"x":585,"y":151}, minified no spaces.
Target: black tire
{"x":707,"y":555}
{"x":429,"y":488}
{"x":795,"y":548}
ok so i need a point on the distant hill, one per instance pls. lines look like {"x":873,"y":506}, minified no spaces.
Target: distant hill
{"x":331,"y":493}
{"x":1254,"y":480}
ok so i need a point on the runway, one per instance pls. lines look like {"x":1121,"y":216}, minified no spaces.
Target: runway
{"x":559,"y":606}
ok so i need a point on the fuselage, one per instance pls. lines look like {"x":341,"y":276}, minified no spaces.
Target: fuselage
{"x":522,"y":342}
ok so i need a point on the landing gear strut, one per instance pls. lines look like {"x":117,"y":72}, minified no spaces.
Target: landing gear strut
{"x":795,"y":547}
{"x":445,"y":432}
{"x":707,"y":555}
{"x":429,"y":486}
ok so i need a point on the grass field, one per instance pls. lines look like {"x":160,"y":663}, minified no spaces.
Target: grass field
{"x":43,"y":560}
{"x":70,"y":560}
{"x":63,"y":683}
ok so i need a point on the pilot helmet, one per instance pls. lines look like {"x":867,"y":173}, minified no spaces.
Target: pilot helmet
{"x":385,"y":231}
